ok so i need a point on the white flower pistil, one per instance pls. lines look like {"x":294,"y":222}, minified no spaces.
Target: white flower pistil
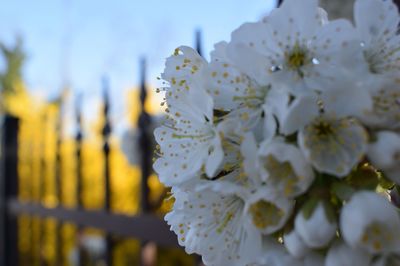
{"x":296,"y":58}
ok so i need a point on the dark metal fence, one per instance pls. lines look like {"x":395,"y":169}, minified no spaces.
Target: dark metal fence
{"x":145,"y":227}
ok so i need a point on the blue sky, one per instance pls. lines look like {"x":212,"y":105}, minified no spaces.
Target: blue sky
{"x":77,"y":41}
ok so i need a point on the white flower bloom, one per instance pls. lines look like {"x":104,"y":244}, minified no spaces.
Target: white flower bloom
{"x":333,"y":145}
{"x":341,"y":99}
{"x":190,"y":141}
{"x":234,"y":91}
{"x":385,"y":154}
{"x":267,"y":211}
{"x":183,"y":64}
{"x":281,"y":166}
{"x":215,"y":226}
{"x":385,"y":113}
{"x":295,"y":49}
{"x":284,"y":168}
{"x":295,"y":245}
{"x":184,"y":152}
{"x":341,"y":254}
{"x":316,"y":231}
{"x":329,"y":138}
{"x":368,"y":221}
{"x":274,"y":254}
{"x":377,"y":23}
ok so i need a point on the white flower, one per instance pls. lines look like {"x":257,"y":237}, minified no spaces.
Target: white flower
{"x":343,"y":98}
{"x":294,"y":49}
{"x":295,"y":245}
{"x":285,"y":168}
{"x":189,"y":142}
{"x":385,"y":154}
{"x":377,"y":23}
{"x":274,"y":254}
{"x":316,"y":231}
{"x":385,"y":113}
{"x":328,"y":135}
{"x":333,"y":145}
{"x":214,"y":225}
{"x":187,"y":152}
{"x":267,"y":211}
{"x":368,"y":221}
{"x":183,"y":64}
{"x":341,"y":254}
{"x":282,"y":166}
{"x":242,"y":96}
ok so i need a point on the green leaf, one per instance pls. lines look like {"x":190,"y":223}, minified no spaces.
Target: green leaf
{"x":342,"y":191}
{"x":364,"y":177}
{"x":329,"y":212}
{"x":384,"y":182}
{"x":309,"y":207}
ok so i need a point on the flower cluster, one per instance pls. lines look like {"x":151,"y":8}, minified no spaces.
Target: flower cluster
{"x":284,"y":149}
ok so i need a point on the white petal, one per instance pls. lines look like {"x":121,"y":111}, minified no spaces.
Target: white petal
{"x":370,"y":222}
{"x":385,"y":113}
{"x":346,"y":99}
{"x":342,"y":255}
{"x":300,"y":112}
{"x":227,"y":85}
{"x":384,"y":154}
{"x":275,"y":254}
{"x":373,"y":17}
{"x":295,"y":16}
{"x":185,"y":63}
{"x":317,"y":231}
{"x":295,"y":245}
{"x":267,"y":211}
{"x":286,"y":169}
{"x":333,"y":145}
{"x":215,"y":158}
{"x":212,"y":225}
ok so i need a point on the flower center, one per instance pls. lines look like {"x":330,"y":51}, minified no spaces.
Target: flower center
{"x":323,"y":129}
{"x":281,"y":173}
{"x":297,"y":58}
{"x":265,"y":214}
{"x":376,"y":236}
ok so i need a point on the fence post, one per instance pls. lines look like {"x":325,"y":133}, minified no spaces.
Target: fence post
{"x":8,"y":189}
{"x":145,"y":148}
{"x":58,"y":181}
{"x":106,"y":132}
{"x":145,"y":143}
{"x":79,"y":175}
{"x":198,"y":42}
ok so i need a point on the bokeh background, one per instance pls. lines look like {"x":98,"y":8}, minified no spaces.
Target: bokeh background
{"x":54,"y":56}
